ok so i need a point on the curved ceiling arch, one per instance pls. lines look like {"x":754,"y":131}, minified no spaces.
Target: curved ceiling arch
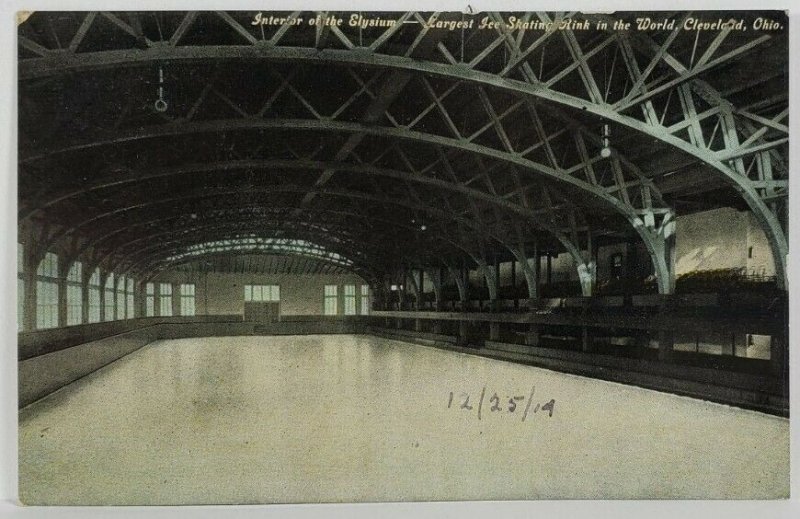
{"x":334,"y":239}
{"x":642,"y":220}
{"x":620,"y":205}
{"x":268,"y":166}
{"x":368,"y":274}
{"x":60,"y":64}
{"x":338,"y":231}
{"x":723,"y":161}
{"x":367,"y":252}
{"x":568,"y":177}
{"x":166,"y":251}
{"x":220,"y":213}
{"x":203,"y":193}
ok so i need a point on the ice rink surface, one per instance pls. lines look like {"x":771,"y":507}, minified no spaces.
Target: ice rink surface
{"x":359,"y":418}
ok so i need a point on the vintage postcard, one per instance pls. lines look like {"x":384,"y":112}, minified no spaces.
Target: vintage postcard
{"x":330,"y":256}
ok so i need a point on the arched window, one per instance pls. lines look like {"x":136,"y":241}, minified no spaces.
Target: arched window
{"x":349,"y":300}
{"x":150,"y":300}
{"x":187,"y":299}
{"x":75,"y":294}
{"x":165,"y":299}
{"x":47,"y":292}
{"x":94,"y":297}
{"x":331,"y":306}
{"x":365,"y":300}
{"x":108,"y":313}
{"x":129,"y":298}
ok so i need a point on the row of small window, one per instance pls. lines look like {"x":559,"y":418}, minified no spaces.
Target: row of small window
{"x":331,"y":300}
{"x":186,"y":293}
{"x":262,"y":293}
{"x":272,"y":293}
{"x":118,"y":291}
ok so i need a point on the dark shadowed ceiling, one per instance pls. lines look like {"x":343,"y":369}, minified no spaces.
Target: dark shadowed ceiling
{"x":386,"y":146}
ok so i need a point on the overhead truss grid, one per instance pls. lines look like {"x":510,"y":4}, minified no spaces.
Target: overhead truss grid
{"x":392,"y":140}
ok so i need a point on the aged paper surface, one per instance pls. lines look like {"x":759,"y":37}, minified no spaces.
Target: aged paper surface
{"x":420,"y":255}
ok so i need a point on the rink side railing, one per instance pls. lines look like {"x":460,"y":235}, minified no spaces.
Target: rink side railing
{"x":632,"y":345}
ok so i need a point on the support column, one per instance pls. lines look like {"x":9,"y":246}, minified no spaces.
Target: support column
{"x":401,"y":294}
{"x":530,"y":275}
{"x":642,"y":341}
{"x":414,"y":288}
{"x":465,"y":283}
{"x":436,"y":282}
{"x":463,"y":333}
{"x":494,"y":331}
{"x":31,"y":260}
{"x":587,"y":268}
{"x":532,"y":335}
{"x":86,"y":274}
{"x":437,"y":326}
{"x":666,"y":343}
{"x":661,"y":245}
{"x":778,"y":354}
{"x":138,"y":295}
{"x":587,"y":274}
{"x":586,"y":340}
{"x":497,"y":275}
{"x":386,"y":293}
{"x":670,"y":256}
{"x":103,"y":278}
{"x":421,"y":289}
{"x":491,"y":281}
{"x":458,"y":277}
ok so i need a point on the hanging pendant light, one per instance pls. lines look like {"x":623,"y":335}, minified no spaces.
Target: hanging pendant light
{"x":605,"y":152}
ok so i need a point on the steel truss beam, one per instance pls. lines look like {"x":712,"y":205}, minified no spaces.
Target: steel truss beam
{"x":536,"y":216}
{"x":204,"y":194}
{"x":151,"y":272}
{"x":443,"y":239}
{"x":728,"y":161}
{"x":650,"y":232}
{"x":238,"y":213}
{"x":334,"y":238}
{"x":149,"y":267}
{"x":266,"y":228}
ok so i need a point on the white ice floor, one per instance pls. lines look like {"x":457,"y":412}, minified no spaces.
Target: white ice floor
{"x":356,"y":418}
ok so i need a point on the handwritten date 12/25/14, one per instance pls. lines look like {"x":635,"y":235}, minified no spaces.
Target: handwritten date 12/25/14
{"x":496,"y":403}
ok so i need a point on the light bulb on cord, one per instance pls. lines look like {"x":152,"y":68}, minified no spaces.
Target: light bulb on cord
{"x":605,"y":152}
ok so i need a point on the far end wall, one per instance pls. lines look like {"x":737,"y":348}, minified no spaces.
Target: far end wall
{"x":219,"y":293}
